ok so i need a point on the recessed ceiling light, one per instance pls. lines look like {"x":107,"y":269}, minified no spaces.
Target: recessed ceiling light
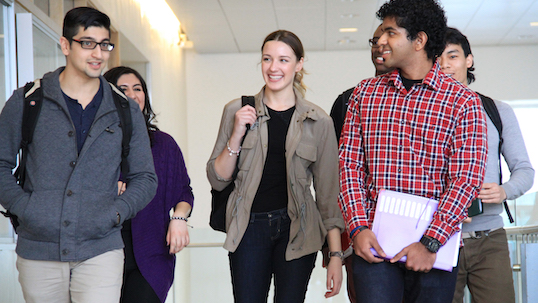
{"x":534,"y":23}
{"x":345,"y":41}
{"x":524,"y":37}
{"x":349,"y":16}
{"x":348,"y":29}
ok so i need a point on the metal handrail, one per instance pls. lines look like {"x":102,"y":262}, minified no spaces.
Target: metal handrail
{"x":521,"y":230}
{"x":510,"y":230}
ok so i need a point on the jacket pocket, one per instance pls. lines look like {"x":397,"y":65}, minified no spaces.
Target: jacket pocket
{"x":40,"y":220}
{"x":307,"y":154}
{"x":96,"y":216}
{"x":247,"y":151}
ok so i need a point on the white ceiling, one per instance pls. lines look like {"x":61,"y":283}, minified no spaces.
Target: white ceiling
{"x":232,"y":26}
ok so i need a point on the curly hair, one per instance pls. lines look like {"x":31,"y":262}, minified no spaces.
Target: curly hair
{"x":113,"y":75}
{"x":454,"y":36}
{"x":419,"y":16}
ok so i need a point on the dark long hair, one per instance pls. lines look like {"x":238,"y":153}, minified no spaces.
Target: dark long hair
{"x":114,"y":74}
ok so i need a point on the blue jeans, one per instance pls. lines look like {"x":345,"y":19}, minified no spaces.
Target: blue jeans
{"x":262,"y":254}
{"x":387,"y":282}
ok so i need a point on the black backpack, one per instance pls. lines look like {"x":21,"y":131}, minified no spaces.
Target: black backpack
{"x":33,"y":100}
{"x":219,"y":199}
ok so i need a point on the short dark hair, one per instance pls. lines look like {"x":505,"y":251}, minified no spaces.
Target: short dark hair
{"x":112,"y":76}
{"x":419,"y":16}
{"x":83,"y":17}
{"x":454,"y":36}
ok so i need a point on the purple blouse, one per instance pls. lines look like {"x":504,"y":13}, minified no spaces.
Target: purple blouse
{"x":150,"y":225}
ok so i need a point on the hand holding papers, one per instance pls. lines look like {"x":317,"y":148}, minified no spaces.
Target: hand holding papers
{"x":401,"y":219}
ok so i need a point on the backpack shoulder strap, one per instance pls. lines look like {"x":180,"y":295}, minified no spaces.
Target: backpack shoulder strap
{"x":33,"y":100}
{"x":247,"y":100}
{"x":124,"y":112}
{"x":493,"y":114}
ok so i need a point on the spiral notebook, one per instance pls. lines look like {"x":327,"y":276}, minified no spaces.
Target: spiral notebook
{"x":401,"y":219}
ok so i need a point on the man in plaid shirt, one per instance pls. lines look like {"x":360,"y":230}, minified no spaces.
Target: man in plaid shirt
{"x":415,"y":131}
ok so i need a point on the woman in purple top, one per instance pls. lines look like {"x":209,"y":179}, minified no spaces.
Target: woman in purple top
{"x":153,"y":237}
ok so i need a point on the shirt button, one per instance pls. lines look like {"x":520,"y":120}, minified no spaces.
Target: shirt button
{"x":69,"y":193}
{"x":84,"y":131}
{"x":399,"y":170}
{"x":72,"y":163}
{"x":71,"y":133}
{"x":66,"y":223}
{"x":65,"y":252}
{"x":265,"y":146}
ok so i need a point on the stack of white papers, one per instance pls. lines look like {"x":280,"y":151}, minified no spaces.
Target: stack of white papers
{"x":401,"y":219}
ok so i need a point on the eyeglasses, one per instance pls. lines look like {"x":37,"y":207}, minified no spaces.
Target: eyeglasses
{"x":373,"y":42}
{"x":88,"y":44}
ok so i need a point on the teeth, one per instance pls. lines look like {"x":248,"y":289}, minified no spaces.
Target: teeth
{"x":275,"y":77}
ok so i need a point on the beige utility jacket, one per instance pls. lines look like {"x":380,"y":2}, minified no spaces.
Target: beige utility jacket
{"x":311,"y":154}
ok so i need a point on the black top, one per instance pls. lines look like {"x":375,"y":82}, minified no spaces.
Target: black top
{"x":83,"y":118}
{"x":408,"y":83}
{"x":339,"y":109}
{"x":272,"y":192}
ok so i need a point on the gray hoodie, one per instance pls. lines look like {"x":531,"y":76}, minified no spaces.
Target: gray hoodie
{"x":68,"y":208}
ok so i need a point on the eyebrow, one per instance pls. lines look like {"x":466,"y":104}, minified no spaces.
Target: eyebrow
{"x":92,"y":39}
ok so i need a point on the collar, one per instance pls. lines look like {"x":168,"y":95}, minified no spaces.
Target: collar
{"x":433,"y":79}
{"x":304,"y":109}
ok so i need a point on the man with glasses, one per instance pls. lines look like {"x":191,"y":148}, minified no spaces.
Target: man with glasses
{"x":338,"y":114}
{"x":69,"y":247}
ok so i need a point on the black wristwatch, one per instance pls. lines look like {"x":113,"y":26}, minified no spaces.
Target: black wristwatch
{"x":431,"y":244}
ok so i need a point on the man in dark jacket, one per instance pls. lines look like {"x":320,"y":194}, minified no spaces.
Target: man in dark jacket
{"x":69,"y":246}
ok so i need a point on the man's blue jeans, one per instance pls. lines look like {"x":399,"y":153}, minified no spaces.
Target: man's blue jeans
{"x":261,"y":254}
{"x":387,"y":282}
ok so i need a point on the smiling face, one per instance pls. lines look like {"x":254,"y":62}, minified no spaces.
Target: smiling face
{"x":87,"y":63}
{"x":279,"y":65}
{"x":454,"y":63}
{"x":377,"y":58}
{"x":396,"y":49}
{"x":131,"y":86}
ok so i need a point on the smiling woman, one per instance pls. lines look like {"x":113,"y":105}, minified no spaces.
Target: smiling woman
{"x":273,"y":221}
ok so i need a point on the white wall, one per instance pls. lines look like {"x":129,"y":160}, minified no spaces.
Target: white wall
{"x":166,"y":65}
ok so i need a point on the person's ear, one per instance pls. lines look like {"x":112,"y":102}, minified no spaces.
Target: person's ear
{"x":469,"y":61}
{"x":420,"y":41}
{"x":65,"y":45}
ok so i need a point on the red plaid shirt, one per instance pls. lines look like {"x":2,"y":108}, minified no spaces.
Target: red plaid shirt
{"x":430,"y":142}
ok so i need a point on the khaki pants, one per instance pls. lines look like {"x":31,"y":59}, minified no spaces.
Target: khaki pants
{"x":97,"y":279}
{"x":484,"y":266}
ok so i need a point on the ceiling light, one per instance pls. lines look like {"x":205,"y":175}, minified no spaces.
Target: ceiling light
{"x":349,"y":16}
{"x":345,"y":41}
{"x":524,"y":37}
{"x":348,"y":29}
{"x":534,"y":23}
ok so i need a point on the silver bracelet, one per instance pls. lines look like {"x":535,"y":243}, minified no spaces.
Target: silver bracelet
{"x":179,"y":218}
{"x":232,"y":152}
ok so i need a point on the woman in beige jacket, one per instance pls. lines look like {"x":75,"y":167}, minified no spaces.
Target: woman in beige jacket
{"x":274,"y":225}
